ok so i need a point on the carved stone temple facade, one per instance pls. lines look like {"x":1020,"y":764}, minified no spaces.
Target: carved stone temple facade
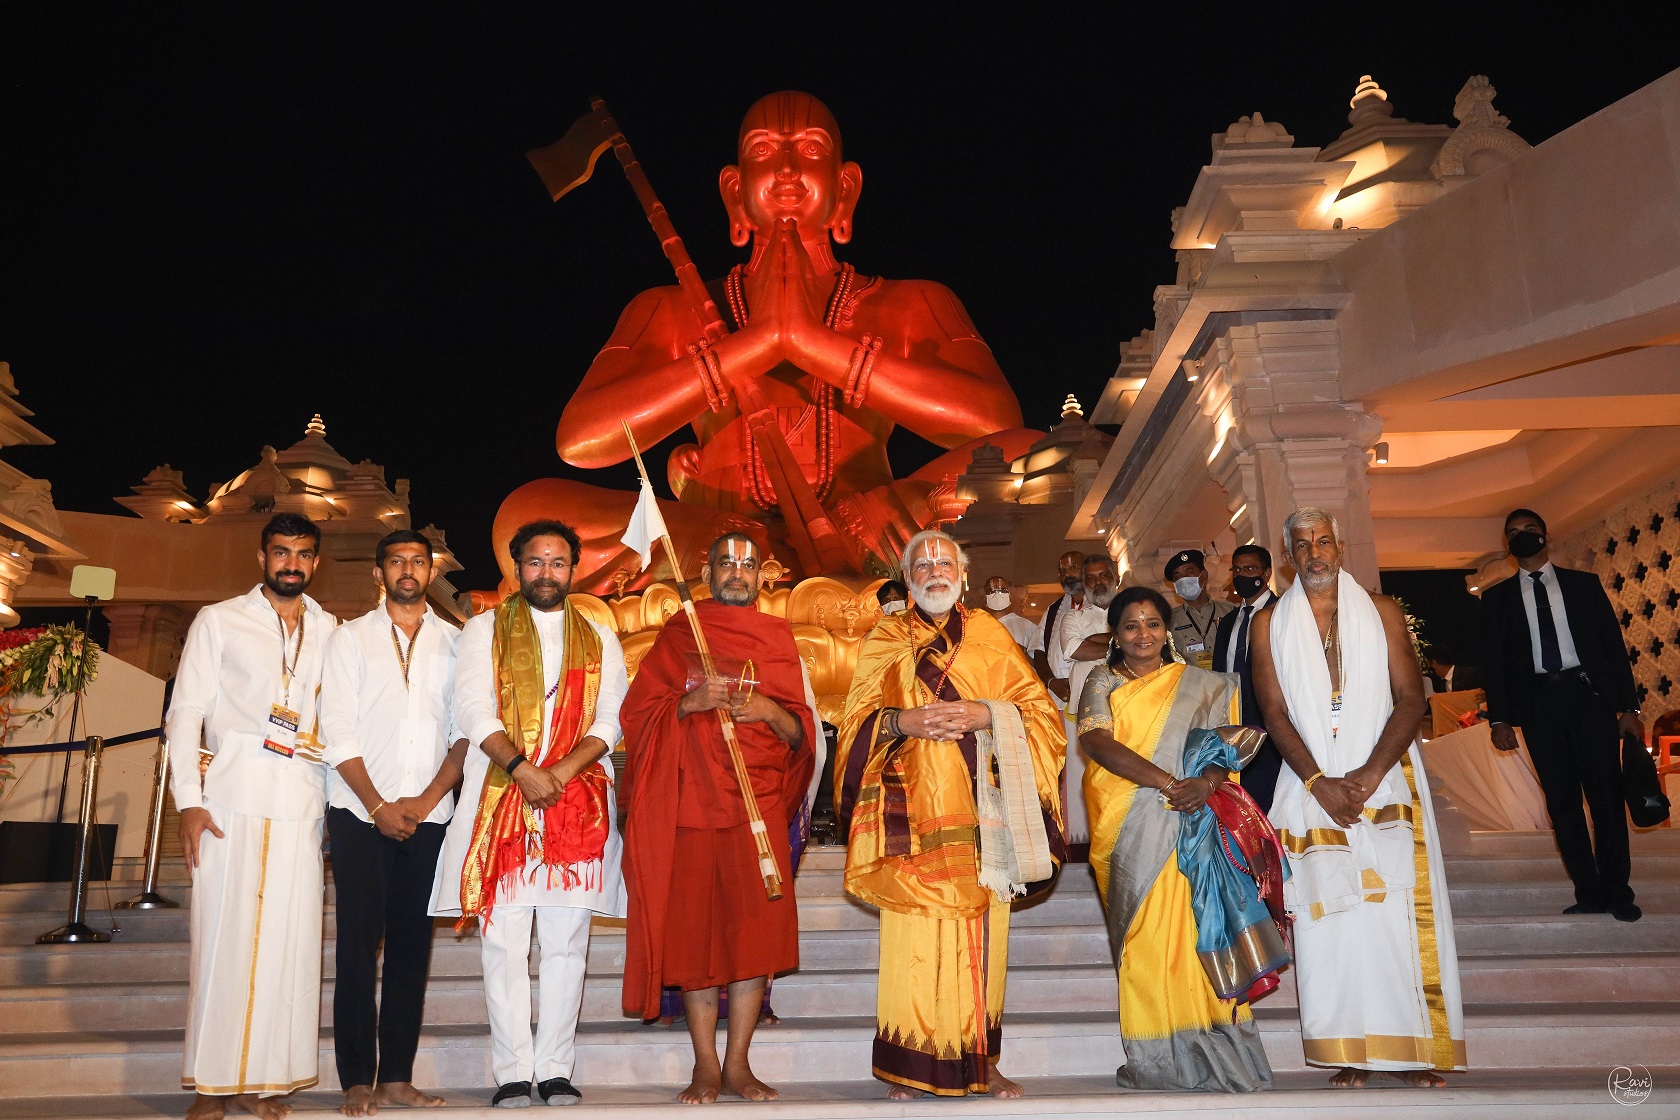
{"x":1416,"y":326}
{"x":182,"y":553}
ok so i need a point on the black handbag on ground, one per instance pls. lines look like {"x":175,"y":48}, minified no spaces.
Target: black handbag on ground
{"x":1641,"y":786}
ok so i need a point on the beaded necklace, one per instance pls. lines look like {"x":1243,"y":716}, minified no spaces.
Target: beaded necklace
{"x":820,"y":411}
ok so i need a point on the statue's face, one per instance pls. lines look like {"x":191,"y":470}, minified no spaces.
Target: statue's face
{"x":790,"y":167}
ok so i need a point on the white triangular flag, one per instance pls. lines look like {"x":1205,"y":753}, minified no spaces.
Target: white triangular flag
{"x":646,"y":525}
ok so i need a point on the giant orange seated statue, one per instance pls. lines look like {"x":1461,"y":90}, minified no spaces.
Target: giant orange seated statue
{"x":793,"y":405}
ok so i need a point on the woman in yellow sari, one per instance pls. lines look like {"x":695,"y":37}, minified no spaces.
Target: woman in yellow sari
{"x":1136,"y":712}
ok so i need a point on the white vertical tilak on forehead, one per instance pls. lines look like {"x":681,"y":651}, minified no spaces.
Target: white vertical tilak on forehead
{"x":921,"y":542}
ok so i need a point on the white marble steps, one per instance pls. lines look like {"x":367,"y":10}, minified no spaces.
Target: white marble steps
{"x":1033,"y":989}
{"x":1559,"y":1094}
{"x":1057,"y":1045}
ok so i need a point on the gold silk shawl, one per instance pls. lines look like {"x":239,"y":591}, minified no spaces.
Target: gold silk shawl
{"x":936,"y":873}
{"x":505,"y":829}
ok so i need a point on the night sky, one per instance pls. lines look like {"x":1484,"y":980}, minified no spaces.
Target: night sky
{"x":216,"y":224}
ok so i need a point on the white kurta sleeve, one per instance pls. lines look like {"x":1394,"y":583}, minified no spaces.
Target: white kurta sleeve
{"x":342,"y":677}
{"x":614,"y":685}
{"x":475,"y":682}
{"x":190,"y":704}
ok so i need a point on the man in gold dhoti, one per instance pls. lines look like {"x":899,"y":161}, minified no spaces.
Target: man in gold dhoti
{"x":947,"y":779}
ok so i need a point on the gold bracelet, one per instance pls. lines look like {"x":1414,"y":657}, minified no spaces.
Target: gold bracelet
{"x":374,"y":812}
{"x":1309,"y":782}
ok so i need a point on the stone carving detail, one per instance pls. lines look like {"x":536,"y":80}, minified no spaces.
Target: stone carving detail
{"x":1483,"y":139}
{"x":1254,"y":131}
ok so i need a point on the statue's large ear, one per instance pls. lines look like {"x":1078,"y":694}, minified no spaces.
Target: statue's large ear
{"x":729,"y":186}
{"x":851,"y":185}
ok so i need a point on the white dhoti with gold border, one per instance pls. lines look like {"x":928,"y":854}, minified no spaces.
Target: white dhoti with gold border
{"x":254,"y":1002}
{"x":1375,"y":959}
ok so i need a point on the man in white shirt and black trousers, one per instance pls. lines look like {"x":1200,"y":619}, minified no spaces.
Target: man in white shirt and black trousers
{"x":386,"y":697}
{"x":251,"y":831}
{"x":1556,"y":666}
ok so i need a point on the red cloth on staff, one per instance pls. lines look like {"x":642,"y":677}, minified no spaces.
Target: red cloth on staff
{"x":698,"y":913}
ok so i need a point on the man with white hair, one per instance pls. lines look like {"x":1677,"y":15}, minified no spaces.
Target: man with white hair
{"x":935,"y":841}
{"x":1339,"y":686}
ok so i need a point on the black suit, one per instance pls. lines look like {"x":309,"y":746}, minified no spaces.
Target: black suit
{"x":1260,"y":776}
{"x":1569,"y":722}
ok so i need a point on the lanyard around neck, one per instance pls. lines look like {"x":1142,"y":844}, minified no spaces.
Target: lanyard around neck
{"x":405,"y":659}
{"x":287,"y":672}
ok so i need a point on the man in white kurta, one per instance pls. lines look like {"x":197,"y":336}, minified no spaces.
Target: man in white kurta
{"x":544,"y":554}
{"x":1075,"y":654}
{"x":251,"y":831}
{"x":1339,"y":686}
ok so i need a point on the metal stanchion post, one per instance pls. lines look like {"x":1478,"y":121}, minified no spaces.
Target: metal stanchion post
{"x":75,"y":930}
{"x":149,"y":898}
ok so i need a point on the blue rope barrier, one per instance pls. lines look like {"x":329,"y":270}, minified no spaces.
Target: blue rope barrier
{"x":81,"y":744}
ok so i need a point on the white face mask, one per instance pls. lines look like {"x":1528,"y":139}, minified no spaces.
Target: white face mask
{"x":1188,"y":587}
{"x":892,"y":606}
{"x":997,"y":600}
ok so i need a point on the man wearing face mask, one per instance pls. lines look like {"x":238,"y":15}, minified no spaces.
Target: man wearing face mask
{"x":1046,"y":658}
{"x":1083,"y":641}
{"x":892,"y":597}
{"x":1557,"y":668}
{"x":1195,"y":622}
{"x":1251,"y":578}
{"x":1000,"y":604}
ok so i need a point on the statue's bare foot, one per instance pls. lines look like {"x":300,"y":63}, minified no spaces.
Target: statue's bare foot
{"x":902,"y":1093}
{"x":1349,"y":1078}
{"x":1418,"y":1078}
{"x":1002,"y":1087}
{"x":703,"y":1088}
{"x":359,"y":1100}
{"x":263,"y":1108}
{"x":403,"y":1094}
{"x":207,"y":1108}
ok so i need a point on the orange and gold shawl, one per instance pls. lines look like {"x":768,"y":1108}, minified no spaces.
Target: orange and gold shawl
{"x":572,"y":835}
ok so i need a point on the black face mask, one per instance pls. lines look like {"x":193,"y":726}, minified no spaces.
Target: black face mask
{"x":1247,"y":586}
{"x":1526,"y":544}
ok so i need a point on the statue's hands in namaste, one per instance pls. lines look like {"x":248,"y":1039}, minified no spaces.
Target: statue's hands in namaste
{"x":945,"y":720}
{"x":785,"y":295}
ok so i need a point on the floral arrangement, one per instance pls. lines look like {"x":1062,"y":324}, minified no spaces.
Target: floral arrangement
{"x":1414,"y":629}
{"x":47,"y":661}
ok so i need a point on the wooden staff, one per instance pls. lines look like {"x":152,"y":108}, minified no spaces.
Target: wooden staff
{"x":755,"y":820}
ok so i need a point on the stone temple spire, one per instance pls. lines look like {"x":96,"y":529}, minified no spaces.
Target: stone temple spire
{"x":1369,"y":104}
{"x":315,"y":427}
{"x":1070,"y":407}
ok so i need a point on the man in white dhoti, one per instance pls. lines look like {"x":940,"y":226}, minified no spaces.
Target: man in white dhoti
{"x":535,"y":840}
{"x":1081,"y":644}
{"x":251,"y":831}
{"x":1339,"y":686}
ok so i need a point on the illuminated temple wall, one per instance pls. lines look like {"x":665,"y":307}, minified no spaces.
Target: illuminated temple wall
{"x":1635,"y":551}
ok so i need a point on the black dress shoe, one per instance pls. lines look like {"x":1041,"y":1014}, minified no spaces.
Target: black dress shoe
{"x":515,"y":1094}
{"x":558,"y":1091}
{"x":1582,"y":908}
{"x":1626,"y":912}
